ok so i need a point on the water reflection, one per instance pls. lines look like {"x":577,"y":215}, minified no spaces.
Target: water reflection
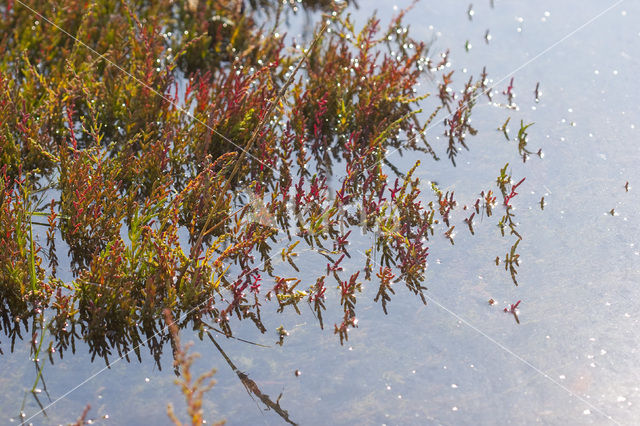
{"x":565,"y":292}
{"x":125,"y":249}
{"x":252,"y":388}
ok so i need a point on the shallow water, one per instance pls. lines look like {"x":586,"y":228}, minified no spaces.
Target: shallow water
{"x":573,"y":357}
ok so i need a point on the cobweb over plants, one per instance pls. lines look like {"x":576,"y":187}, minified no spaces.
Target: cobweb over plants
{"x":182,"y":199}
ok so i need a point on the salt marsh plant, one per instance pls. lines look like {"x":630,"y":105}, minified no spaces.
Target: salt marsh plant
{"x":171,"y":150}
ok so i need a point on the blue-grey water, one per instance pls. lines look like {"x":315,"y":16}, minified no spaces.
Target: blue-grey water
{"x":573,"y":359}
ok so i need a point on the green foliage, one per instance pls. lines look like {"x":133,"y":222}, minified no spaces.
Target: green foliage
{"x":179,"y":145}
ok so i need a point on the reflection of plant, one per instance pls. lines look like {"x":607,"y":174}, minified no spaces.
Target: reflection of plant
{"x":458,"y":126}
{"x":508,"y":189}
{"x":513,"y":309}
{"x":522,"y":138}
{"x":82,"y":420}
{"x":385,"y":276}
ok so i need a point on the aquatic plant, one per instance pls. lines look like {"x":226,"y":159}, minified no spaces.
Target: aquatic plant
{"x":193,"y":390}
{"x":177,"y":148}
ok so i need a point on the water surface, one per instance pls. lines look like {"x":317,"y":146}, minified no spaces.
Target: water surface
{"x":458,"y":360}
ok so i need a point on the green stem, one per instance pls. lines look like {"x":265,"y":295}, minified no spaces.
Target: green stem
{"x":32,"y":259}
